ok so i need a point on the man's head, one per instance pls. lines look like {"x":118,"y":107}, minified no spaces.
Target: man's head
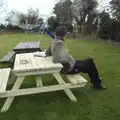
{"x":61,"y":31}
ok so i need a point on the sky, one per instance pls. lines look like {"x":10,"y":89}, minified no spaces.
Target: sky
{"x":103,"y":3}
{"x":45,"y":6}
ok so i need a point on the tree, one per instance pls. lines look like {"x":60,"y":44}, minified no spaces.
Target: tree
{"x":115,"y":30}
{"x":84,"y":12}
{"x":63,"y":12}
{"x":52,"y":22}
{"x":115,"y":6}
{"x":92,"y":13}
{"x":40,"y":20}
{"x":33,"y":16}
{"x":82,"y":8}
{"x":2,"y":5}
{"x":104,"y":25}
{"x":115,"y":10}
{"x":13,"y":17}
{"x":16,"y":18}
{"x":2,"y":26}
{"x":23,"y":18}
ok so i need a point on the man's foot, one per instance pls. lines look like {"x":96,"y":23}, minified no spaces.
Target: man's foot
{"x":101,"y":87}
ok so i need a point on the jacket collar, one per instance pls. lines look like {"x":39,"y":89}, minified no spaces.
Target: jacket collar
{"x":60,"y":38}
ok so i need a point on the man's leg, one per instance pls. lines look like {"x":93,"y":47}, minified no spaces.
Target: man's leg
{"x":88,"y":66}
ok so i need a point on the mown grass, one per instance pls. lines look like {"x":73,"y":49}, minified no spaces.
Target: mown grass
{"x":91,"y":105}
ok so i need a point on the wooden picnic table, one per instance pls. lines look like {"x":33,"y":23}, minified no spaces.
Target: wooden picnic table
{"x":25,"y":47}
{"x":27,"y":64}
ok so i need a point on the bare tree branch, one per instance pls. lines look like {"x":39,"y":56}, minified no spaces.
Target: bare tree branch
{"x":1,"y":3}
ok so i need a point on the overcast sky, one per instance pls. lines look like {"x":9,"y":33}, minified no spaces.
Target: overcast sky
{"x":45,"y":6}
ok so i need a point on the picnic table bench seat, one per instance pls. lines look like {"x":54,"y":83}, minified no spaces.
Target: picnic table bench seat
{"x":76,"y":79}
{"x":4,"y":76}
{"x":8,"y":57}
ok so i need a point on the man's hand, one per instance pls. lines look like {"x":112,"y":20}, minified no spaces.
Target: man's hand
{"x":48,"y":51}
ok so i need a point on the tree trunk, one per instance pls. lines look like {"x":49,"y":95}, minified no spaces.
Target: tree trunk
{"x":89,"y":24}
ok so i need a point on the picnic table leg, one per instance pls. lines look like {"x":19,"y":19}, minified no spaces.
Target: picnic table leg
{"x":62,"y":82}
{"x":9,"y":100}
{"x":39,"y":81}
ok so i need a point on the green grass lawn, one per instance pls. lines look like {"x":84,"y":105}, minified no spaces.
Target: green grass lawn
{"x":91,"y":105}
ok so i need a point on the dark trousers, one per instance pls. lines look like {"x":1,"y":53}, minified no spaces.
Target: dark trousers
{"x":87,"y":66}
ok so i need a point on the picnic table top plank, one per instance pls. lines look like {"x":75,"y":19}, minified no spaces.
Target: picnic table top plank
{"x":31,"y":45}
{"x":27,"y":45}
{"x":39,"y":61}
{"x":25,"y":62}
{"x":23,"y":66}
{"x":29,"y":65}
{"x":19,"y":45}
{"x":16,"y":64}
{"x":34,"y":63}
{"x":49,"y":63}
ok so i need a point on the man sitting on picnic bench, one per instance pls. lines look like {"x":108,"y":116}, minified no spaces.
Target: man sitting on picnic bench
{"x":71,"y":66}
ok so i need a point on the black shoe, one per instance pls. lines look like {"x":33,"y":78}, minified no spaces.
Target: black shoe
{"x":101,"y":87}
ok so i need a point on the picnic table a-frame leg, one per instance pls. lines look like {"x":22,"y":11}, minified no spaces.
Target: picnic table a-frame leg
{"x":39,"y":81}
{"x":9,"y":100}
{"x":67,"y":91}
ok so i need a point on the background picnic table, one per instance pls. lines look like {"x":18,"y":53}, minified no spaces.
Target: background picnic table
{"x":25,"y":47}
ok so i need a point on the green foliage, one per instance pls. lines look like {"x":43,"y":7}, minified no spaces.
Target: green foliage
{"x":84,"y":8}
{"x":23,"y":18}
{"x":2,"y":26}
{"x":115,"y":6}
{"x":63,"y":13}
{"x":105,"y":23}
{"x":109,"y":28}
{"x":115,"y":30}
{"x":32,"y":17}
{"x":52,"y":22}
